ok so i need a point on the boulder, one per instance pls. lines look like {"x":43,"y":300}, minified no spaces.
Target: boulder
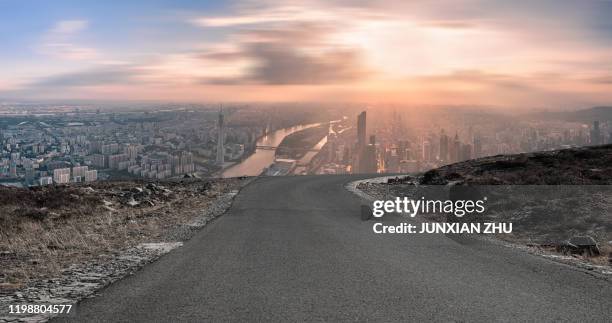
{"x":580,"y":245}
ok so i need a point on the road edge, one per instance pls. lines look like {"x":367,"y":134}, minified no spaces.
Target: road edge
{"x":603,"y":272}
{"x":94,"y":276}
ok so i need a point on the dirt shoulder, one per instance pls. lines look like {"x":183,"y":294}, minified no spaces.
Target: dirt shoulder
{"x":61,"y":243}
{"x":559,"y":202}
{"x":543,"y":222}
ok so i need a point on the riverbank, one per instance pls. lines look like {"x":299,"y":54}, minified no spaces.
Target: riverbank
{"x":297,"y":144}
{"x":262,"y":158}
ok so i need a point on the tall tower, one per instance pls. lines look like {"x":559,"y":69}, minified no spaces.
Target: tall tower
{"x":456,"y":149}
{"x":361,"y":130}
{"x":358,"y":156}
{"x":595,"y":134}
{"x":443,"y":156}
{"x":220,"y":146}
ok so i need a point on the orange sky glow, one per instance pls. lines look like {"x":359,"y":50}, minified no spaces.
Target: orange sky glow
{"x":430,"y":52}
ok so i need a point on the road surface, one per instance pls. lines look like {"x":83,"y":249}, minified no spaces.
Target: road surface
{"x":295,"y":249}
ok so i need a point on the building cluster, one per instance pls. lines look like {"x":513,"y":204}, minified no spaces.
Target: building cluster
{"x":67,"y":175}
{"x":61,"y":147}
{"x":57,"y":149}
{"x":386,"y":150}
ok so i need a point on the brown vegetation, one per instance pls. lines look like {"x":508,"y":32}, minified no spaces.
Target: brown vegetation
{"x":575,"y":166}
{"x":43,"y":230}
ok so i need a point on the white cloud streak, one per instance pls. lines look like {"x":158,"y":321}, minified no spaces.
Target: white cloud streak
{"x":60,"y":41}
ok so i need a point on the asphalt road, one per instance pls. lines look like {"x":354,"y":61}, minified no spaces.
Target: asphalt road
{"x":295,"y":249}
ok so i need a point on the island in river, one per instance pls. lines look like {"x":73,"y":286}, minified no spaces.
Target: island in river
{"x":297,"y":144}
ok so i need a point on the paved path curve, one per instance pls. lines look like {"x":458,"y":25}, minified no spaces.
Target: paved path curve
{"x":295,"y":249}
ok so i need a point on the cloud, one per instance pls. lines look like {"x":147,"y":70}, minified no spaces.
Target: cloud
{"x":421,"y":50}
{"x":240,"y":20}
{"x":225,"y":56}
{"x":301,"y":34}
{"x":481,"y":78}
{"x":299,"y":53}
{"x":299,"y":12}
{"x":68,"y":27}
{"x":450,"y":24}
{"x":279,"y":64}
{"x":106,"y":75}
{"x":606,"y":80}
{"x":59,"y":41}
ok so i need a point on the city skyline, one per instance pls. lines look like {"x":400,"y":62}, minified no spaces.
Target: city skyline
{"x":541,"y":54}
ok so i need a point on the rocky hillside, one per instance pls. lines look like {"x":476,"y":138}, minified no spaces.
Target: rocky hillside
{"x":45,"y":230}
{"x":575,"y":166}
{"x":551,"y":198}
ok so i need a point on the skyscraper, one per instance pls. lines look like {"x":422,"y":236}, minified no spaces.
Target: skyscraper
{"x":595,"y":134}
{"x":456,"y":151}
{"x":361,"y":130}
{"x":426,"y":150}
{"x":443,"y":156}
{"x":477,"y":146}
{"x":220,"y":146}
{"x":368,"y":160}
{"x":358,"y":156}
{"x":403,"y":149}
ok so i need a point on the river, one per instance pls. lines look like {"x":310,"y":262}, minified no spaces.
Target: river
{"x":262,"y":158}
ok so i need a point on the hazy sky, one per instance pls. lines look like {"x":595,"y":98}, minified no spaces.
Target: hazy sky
{"x":489,"y":52}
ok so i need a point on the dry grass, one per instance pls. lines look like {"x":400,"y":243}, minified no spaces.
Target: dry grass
{"x":549,"y":218}
{"x":575,"y":166}
{"x":606,"y":256}
{"x":43,"y":231}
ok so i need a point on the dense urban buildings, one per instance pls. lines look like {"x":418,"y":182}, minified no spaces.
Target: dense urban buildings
{"x":44,"y":144}
{"x":61,"y":144}
{"x":397,"y":146}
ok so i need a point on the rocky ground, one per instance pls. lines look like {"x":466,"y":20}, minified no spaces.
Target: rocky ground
{"x":60,"y":244}
{"x":575,"y":166}
{"x":554,"y":199}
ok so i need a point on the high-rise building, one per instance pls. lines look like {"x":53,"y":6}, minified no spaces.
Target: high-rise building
{"x":79,"y":171}
{"x":454,"y":150}
{"x":596,"y":134}
{"x":132,"y":151}
{"x":91,"y":175}
{"x":61,"y":175}
{"x":443,"y":156}
{"x":114,"y":160}
{"x":361,"y":130}
{"x":368,"y":161}
{"x":392,"y":162}
{"x":477,"y":146}
{"x":99,"y":160}
{"x":45,"y":180}
{"x":358,"y":157}
{"x":403,"y":149}
{"x":13,"y":170}
{"x":426,"y":151}
{"x":220,"y":146}
{"x":183,"y":163}
{"x":109,"y":149}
